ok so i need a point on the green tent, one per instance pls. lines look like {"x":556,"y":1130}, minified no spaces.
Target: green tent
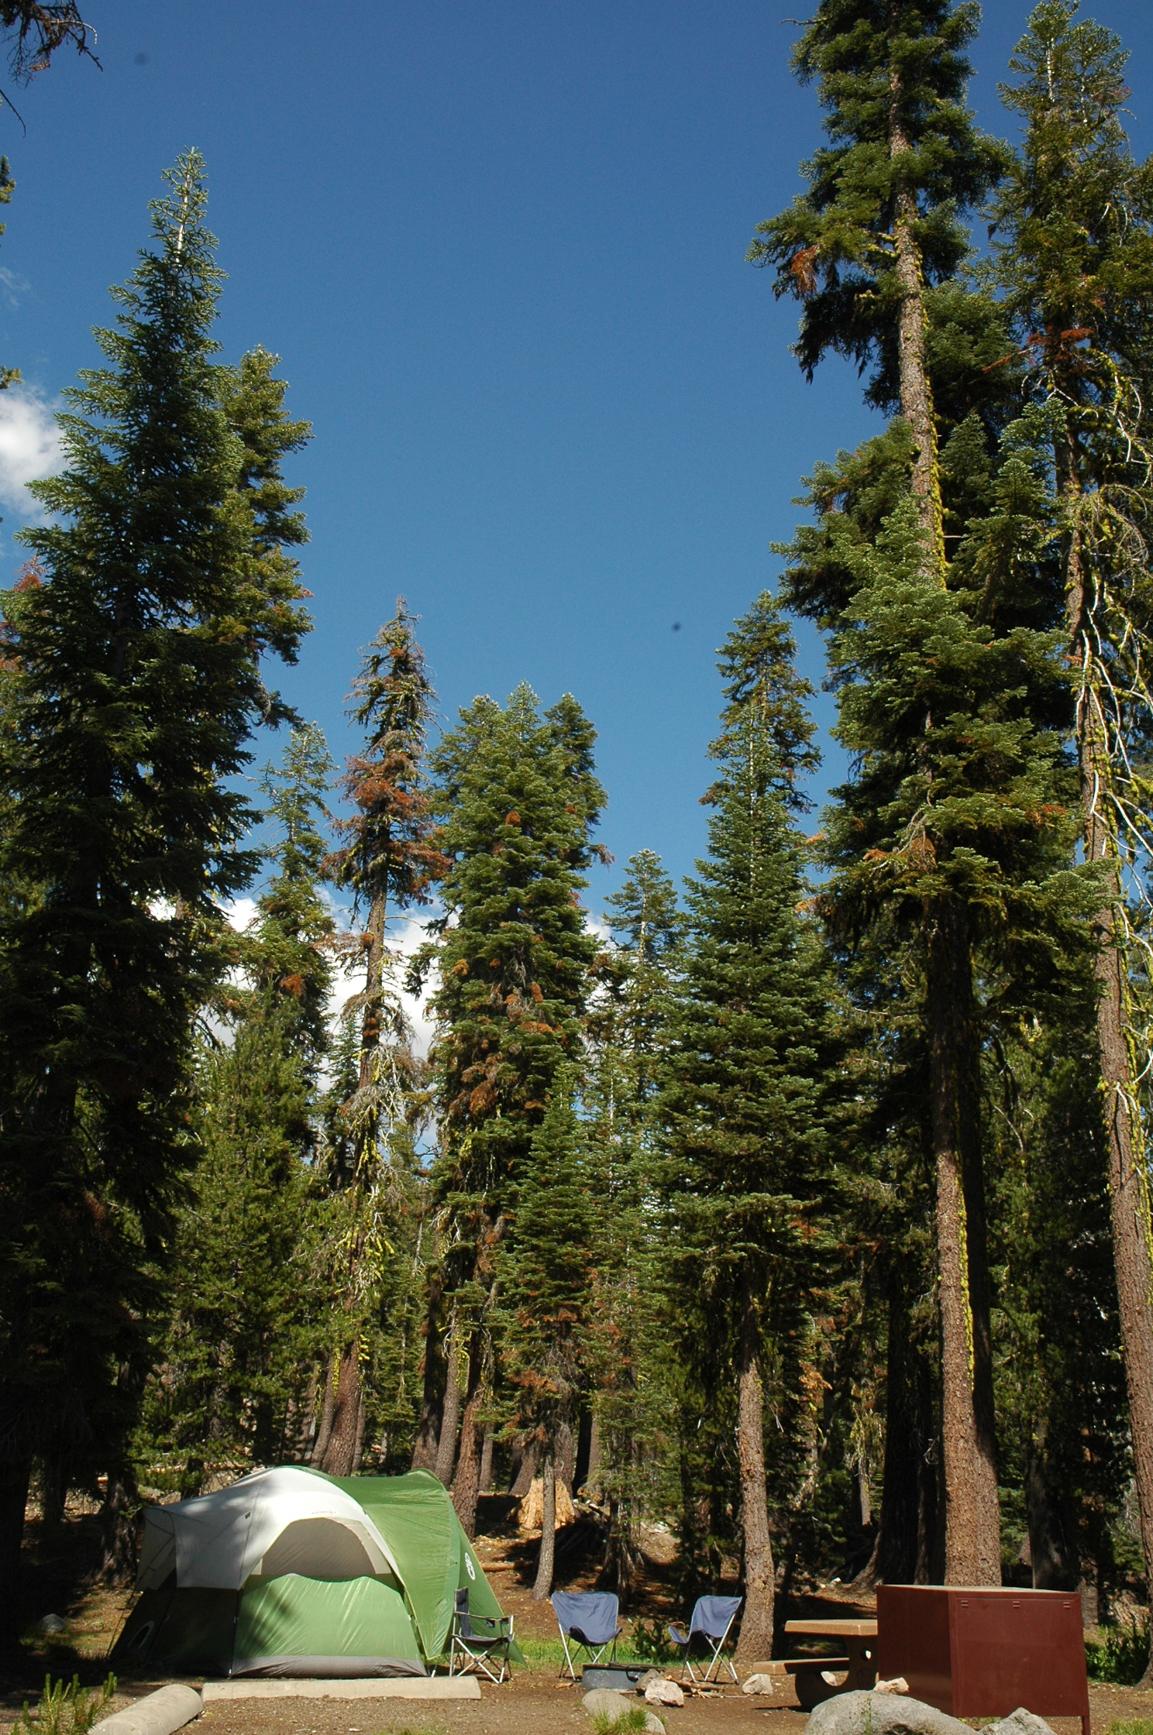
{"x":291,"y":1572}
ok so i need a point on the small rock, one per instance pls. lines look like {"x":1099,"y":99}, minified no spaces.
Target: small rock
{"x":897,"y":1685}
{"x":758,"y":1684}
{"x":52,"y":1624}
{"x":665,"y":1692}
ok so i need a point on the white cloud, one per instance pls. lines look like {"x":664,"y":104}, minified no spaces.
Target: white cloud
{"x":29,"y":445}
{"x":240,"y":913}
{"x":14,"y":286}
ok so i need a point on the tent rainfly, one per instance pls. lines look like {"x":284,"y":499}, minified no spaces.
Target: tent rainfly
{"x":291,"y":1572}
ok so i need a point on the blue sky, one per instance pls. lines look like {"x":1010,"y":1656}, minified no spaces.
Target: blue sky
{"x":499,"y":245}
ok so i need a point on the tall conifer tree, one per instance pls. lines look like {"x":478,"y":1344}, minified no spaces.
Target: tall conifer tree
{"x":869,"y":250}
{"x":745,"y":1104}
{"x":139,"y":686}
{"x":545,"y":1282}
{"x":227,"y":1395}
{"x":1075,"y":260}
{"x":520,"y":799}
{"x":389,"y":861}
{"x":628,"y":1032}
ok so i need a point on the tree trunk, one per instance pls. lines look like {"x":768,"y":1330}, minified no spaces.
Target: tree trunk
{"x":53,"y":1481}
{"x":972,"y":1516}
{"x":1054,"y":1562}
{"x":756,"y":1638}
{"x":486,"y":1452}
{"x":327,"y":1407}
{"x":466,"y":1485}
{"x":450,"y":1415}
{"x":1129,"y":1201}
{"x":15,"y":1475}
{"x":361,"y":1421}
{"x":118,"y":1525}
{"x":972,"y":1511}
{"x":913,"y":370}
{"x":864,"y":1496}
{"x":526,"y":1470}
{"x":424,"y":1451}
{"x":565,"y":1455}
{"x":339,"y":1455}
{"x":593,"y":1453}
{"x":906,"y":1534}
{"x":546,"y":1558}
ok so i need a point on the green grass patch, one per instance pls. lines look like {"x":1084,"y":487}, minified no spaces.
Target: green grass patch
{"x":632,"y":1718}
{"x":541,"y":1650}
{"x":1131,"y":1726}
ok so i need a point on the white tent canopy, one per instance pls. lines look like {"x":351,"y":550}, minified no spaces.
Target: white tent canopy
{"x":271,"y":1522}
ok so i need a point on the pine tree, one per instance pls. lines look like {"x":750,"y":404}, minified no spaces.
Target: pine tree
{"x":1075,"y":260}
{"x":39,"y":28}
{"x":746,"y":1104}
{"x":519,"y":798}
{"x":389,"y":861}
{"x":545,"y":1279}
{"x":139,"y":686}
{"x":878,"y":227}
{"x":1060,"y":1372}
{"x":242,"y":1322}
{"x":956,"y":785}
{"x":628,"y":1032}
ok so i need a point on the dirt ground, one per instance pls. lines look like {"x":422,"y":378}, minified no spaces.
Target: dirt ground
{"x":534,"y":1702}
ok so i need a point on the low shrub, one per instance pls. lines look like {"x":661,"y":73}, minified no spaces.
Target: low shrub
{"x":65,"y":1708}
{"x":1120,"y":1654}
{"x":650,"y":1643}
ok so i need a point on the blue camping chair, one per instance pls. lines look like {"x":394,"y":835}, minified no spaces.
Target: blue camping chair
{"x":588,"y":1622}
{"x":711,"y":1621}
{"x":479,"y":1642}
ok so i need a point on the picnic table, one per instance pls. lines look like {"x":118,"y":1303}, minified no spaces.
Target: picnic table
{"x":816,"y":1678}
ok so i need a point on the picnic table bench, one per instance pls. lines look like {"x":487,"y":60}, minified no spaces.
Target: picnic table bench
{"x":816,"y":1677}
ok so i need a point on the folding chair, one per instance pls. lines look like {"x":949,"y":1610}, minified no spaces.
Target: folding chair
{"x":479,"y":1642}
{"x":588,"y":1622}
{"x":711,"y":1621}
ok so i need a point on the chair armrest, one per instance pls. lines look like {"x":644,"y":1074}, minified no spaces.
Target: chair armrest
{"x":492,"y":1626}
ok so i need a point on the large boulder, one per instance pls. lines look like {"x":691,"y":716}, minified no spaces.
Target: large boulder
{"x":883,"y":1714}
